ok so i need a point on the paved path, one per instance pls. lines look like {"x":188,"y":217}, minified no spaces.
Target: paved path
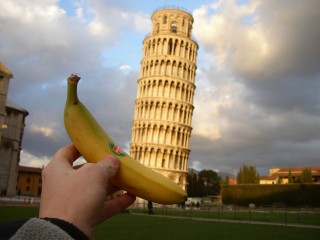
{"x":232,"y":221}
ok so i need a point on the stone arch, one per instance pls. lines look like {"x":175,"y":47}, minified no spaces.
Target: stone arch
{"x":152,"y":159}
{"x":166,"y":89}
{"x":174,"y":69}
{"x":170,"y":47}
{"x":168,"y":68}
{"x":172,"y":89}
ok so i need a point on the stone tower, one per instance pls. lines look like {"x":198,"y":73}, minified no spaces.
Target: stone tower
{"x":5,"y":76}
{"x":12,"y":122}
{"x":161,"y":127}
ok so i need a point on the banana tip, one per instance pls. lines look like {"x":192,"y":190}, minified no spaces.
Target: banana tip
{"x":74,"y":77}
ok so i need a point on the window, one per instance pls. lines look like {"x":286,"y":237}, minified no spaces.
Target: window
{"x":165,"y":18}
{"x":174,"y":27}
{"x":28,"y":179}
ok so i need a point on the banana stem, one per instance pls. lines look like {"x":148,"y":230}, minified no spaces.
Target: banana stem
{"x":72,"y":96}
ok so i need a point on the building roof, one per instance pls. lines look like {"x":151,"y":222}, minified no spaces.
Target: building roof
{"x":5,"y":70}
{"x":29,"y":169}
{"x":270,"y":178}
{"x":14,"y":106}
{"x":296,"y":171}
{"x":166,"y":7}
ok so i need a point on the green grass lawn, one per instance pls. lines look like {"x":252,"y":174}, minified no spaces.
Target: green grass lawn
{"x":128,"y":226}
{"x":10,"y":213}
{"x":133,"y":227}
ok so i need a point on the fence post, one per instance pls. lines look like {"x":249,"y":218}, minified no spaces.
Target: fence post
{"x":285,"y":214}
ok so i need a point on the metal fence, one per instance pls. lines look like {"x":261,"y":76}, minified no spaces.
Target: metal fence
{"x":275,"y":214}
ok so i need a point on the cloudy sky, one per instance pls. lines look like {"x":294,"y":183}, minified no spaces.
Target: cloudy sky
{"x":257,"y":99}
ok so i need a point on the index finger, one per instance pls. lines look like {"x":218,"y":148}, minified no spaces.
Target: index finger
{"x":66,"y":155}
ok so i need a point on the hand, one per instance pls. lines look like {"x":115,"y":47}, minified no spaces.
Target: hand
{"x":79,"y":195}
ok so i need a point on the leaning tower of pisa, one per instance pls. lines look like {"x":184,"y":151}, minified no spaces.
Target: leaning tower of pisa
{"x":161,"y":127}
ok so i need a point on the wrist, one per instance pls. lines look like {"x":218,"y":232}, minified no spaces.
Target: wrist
{"x":66,"y":216}
{"x":68,"y":227}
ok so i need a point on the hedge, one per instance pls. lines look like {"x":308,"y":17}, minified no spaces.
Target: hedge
{"x":285,"y":194}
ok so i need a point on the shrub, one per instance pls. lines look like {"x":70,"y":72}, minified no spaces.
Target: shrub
{"x":288,"y":194}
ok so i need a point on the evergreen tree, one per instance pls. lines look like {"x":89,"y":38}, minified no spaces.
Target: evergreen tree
{"x":306,"y":176}
{"x":192,"y":179}
{"x":195,"y":186}
{"x":227,"y":180}
{"x":290,"y":178}
{"x":247,"y":175}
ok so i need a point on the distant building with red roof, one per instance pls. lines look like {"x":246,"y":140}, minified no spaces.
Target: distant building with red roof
{"x":282,"y":175}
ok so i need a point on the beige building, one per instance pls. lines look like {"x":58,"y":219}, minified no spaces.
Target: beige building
{"x":29,"y":181}
{"x":12,"y":122}
{"x":161,"y":126}
{"x":281,"y":175}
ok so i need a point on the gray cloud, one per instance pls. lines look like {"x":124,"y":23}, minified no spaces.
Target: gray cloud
{"x":273,"y":110}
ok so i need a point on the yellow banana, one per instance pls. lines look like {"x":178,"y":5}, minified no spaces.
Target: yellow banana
{"x":94,"y":143}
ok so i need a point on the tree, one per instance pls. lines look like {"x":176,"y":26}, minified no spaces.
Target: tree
{"x":191,"y":179}
{"x":206,"y":183}
{"x":227,"y":180}
{"x":195,"y":186}
{"x":211,"y":182}
{"x":290,"y":178}
{"x":247,"y":175}
{"x":306,"y":176}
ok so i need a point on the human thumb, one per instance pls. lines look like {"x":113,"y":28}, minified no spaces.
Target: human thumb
{"x":111,"y":164}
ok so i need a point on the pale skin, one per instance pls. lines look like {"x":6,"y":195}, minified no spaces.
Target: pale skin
{"x":78,"y":195}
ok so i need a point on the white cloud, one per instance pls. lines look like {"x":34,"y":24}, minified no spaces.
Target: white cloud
{"x":46,"y":131}
{"x":230,"y":40}
{"x":31,"y":10}
{"x":124,"y":67}
{"x":142,"y":22}
{"x":28,"y":159}
{"x":97,"y":29}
